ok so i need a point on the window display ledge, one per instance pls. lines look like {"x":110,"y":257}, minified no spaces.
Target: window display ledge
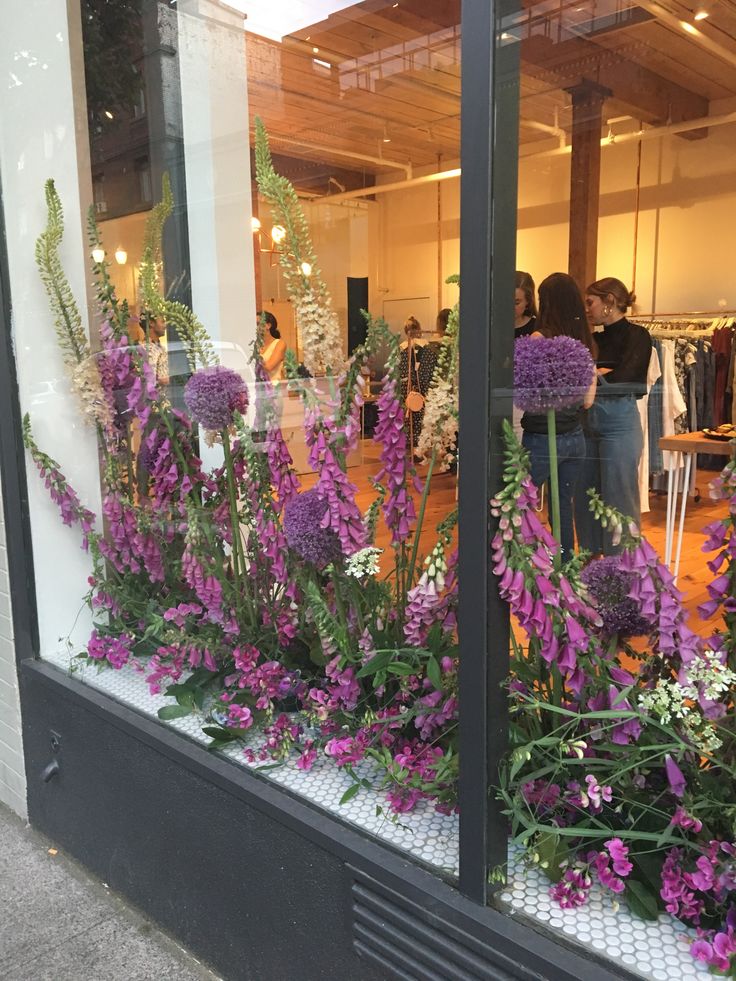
{"x":654,"y":950}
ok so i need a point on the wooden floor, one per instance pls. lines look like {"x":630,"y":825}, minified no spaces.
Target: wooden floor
{"x":694,"y":574}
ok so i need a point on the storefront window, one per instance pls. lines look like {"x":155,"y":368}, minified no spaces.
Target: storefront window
{"x":625,"y":182}
{"x":268,"y":390}
{"x":243,"y":373}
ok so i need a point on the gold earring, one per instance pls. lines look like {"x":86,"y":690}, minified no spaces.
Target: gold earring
{"x":606,"y":311}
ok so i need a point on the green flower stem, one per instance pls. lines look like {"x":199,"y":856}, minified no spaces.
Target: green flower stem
{"x":238,"y":565}
{"x":554,"y":483}
{"x":339,"y":604}
{"x":420,"y":522}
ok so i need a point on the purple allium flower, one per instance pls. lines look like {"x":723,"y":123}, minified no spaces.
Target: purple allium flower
{"x":212,"y":396}
{"x":303,"y":519}
{"x":550,"y":372}
{"x":609,"y":586}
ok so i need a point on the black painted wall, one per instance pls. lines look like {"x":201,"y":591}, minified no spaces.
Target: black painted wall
{"x":258,"y":884}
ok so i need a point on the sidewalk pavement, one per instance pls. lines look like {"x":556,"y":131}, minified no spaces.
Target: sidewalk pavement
{"x":58,"y":923}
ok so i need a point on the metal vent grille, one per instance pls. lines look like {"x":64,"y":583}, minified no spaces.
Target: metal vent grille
{"x":408,"y":942}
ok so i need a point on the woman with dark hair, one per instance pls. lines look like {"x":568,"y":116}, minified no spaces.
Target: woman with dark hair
{"x":525,"y":307}
{"x":561,"y":312}
{"x":613,"y":435}
{"x":273,"y":350}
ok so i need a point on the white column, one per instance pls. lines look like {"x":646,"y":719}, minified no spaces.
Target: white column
{"x":217,"y":158}
{"x":43,"y":133}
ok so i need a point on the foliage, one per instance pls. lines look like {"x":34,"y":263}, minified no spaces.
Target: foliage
{"x":197,"y":344}
{"x":317,"y":324}
{"x":441,"y":409}
{"x":200,"y":581}
{"x":618,"y":772}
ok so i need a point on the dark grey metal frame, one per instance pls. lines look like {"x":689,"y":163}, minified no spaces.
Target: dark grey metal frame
{"x":487,"y":262}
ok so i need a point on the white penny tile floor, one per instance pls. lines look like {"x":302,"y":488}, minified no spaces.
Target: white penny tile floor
{"x":654,"y":950}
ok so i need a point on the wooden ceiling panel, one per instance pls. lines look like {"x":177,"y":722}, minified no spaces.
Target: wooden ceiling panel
{"x":395,"y":75}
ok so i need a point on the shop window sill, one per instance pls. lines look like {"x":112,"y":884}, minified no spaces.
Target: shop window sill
{"x":658,"y":951}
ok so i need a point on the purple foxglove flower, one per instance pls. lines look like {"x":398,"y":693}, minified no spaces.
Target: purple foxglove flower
{"x":675,"y":777}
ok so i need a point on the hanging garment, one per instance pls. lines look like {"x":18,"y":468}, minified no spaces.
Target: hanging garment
{"x":673,"y":402}
{"x":655,"y":415}
{"x":722,"y":348}
{"x":654,"y":373}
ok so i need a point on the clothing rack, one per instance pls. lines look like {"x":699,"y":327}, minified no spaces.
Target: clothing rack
{"x":683,"y":315}
{"x":674,"y":326}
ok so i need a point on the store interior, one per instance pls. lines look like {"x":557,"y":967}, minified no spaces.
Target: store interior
{"x":362,"y":110}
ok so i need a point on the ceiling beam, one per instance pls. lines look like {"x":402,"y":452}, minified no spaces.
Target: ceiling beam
{"x":637,"y":90}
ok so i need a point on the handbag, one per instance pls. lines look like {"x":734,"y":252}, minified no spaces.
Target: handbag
{"x":414,"y":400}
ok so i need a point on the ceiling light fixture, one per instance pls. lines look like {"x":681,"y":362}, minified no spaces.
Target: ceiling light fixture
{"x":701,"y":13}
{"x":689,"y":28}
{"x":315,"y":50}
{"x":108,"y":114}
{"x":321,"y":63}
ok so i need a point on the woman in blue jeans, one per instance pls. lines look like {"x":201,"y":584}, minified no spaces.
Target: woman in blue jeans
{"x":561,"y":311}
{"x":613,"y":436}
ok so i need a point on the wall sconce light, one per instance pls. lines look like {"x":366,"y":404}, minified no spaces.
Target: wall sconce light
{"x":306,"y":268}
{"x":701,"y":12}
{"x":121,"y":256}
{"x":98,"y":254}
{"x":255,"y":224}
{"x":278,"y":234}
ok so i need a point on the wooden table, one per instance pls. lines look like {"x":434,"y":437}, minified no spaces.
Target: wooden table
{"x":684,"y":447}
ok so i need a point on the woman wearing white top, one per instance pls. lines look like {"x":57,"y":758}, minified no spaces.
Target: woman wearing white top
{"x":273,"y":350}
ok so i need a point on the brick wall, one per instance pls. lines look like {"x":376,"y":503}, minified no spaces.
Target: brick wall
{"x":12,"y":770}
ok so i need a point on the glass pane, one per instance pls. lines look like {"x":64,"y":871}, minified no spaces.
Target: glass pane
{"x":269,"y":383}
{"x":617,"y":776}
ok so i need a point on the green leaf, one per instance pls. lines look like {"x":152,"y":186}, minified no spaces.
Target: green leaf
{"x":217,"y":745}
{"x":174,"y":712}
{"x":186,"y":698}
{"x":552,"y":853}
{"x":434,"y":673}
{"x":641,"y":901}
{"x":378,"y":661}
{"x":402,"y":669}
{"x":215,"y":732}
{"x":350,"y":793}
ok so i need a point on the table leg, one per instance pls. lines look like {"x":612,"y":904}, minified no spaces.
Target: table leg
{"x":671,"y":498}
{"x":685,"y":492}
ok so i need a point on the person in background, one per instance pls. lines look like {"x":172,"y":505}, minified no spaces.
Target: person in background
{"x":561,"y":312}
{"x":443,"y":318}
{"x":153,"y":330}
{"x":525,"y":307}
{"x":273,"y":350}
{"x":613,"y":435}
{"x":416,"y":367}
{"x":525,"y":323}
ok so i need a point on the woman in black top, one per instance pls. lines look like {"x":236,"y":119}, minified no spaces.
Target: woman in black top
{"x":613,"y":435}
{"x":525,"y":306}
{"x":561,"y":312}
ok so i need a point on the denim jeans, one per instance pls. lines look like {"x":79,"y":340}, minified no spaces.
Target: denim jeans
{"x":570,"y":452}
{"x":613,"y":445}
